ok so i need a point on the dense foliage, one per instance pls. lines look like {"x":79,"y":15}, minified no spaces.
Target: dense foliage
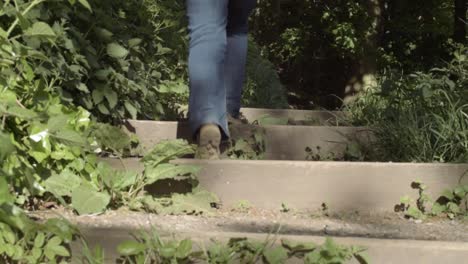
{"x":61,"y":70}
{"x":70,"y":68}
{"x":327,"y":50}
{"x":420,"y":117}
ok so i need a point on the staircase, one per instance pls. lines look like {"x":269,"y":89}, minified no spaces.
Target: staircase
{"x":351,"y":201}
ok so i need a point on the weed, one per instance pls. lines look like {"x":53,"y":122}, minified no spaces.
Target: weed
{"x":243,"y":206}
{"x":452,"y":203}
{"x":153,"y":249}
{"x":421,"y":117}
{"x":249,"y":145}
{"x":285,"y":208}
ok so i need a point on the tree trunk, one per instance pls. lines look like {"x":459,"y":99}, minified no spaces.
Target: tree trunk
{"x":460,"y":21}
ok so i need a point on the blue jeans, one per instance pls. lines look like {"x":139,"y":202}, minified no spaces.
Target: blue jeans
{"x":217,"y":58}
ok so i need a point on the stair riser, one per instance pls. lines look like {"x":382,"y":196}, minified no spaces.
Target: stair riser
{"x":315,"y":117}
{"x":378,"y":251}
{"x":281,"y":142}
{"x":343,"y":186}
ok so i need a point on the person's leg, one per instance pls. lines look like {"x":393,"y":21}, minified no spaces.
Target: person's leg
{"x":236,"y":54}
{"x":207,"y":28}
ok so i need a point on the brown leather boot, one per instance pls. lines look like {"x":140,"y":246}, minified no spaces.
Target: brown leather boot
{"x":209,"y":139}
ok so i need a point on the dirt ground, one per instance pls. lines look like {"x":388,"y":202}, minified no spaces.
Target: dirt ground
{"x":382,"y":226}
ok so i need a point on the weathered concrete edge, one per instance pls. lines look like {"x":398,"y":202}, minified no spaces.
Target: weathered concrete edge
{"x":385,"y":226}
{"x":343,"y":186}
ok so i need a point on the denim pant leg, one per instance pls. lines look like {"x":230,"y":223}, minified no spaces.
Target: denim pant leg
{"x":236,"y":54}
{"x":208,"y":42}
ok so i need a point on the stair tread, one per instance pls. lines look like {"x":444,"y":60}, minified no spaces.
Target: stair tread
{"x":343,"y":186}
{"x":376,"y":226}
{"x":399,"y":242}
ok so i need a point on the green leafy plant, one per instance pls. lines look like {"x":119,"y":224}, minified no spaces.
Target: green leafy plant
{"x":263,"y":87}
{"x":150,"y":247}
{"x":421,"y":117}
{"x":452,"y":203}
{"x":248,"y":145}
{"x":192,"y":200}
{"x":331,"y":252}
{"x":243,"y":206}
{"x":23,"y":240}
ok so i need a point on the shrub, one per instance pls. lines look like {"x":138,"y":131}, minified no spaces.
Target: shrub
{"x":419,"y":117}
{"x":263,"y":87}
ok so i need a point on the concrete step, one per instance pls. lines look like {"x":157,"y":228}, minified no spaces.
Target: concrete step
{"x":281,"y":142}
{"x":295,"y":117}
{"x":410,"y":245}
{"x":301,"y":185}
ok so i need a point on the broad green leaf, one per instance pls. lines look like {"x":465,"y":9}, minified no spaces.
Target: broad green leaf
{"x":3,"y":33}
{"x":102,"y":75}
{"x":40,"y":29}
{"x":5,"y":195}
{"x":362,"y":258}
{"x":294,"y":247}
{"x":20,"y":112}
{"x":453,"y":208}
{"x":111,"y":97}
{"x":40,"y":144}
{"x":116,"y":180}
{"x":62,"y":152}
{"x":85,"y":4}
{"x":70,"y":137}
{"x":39,"y":240}
{"x":62,"y":184}
{"x":8,"y":234}
{"x":276,"y":255}
{"x":82,"y":87}
{"x":86,"y":200}
{"x":57,"y":123}
{"x":103,"y":34}
{"x":24,"y":23}
{"x":166,"y":151}
{"x":36,"y":253}
{"x":169,"y":171}
{"x":131,"y":109}
{"x":54,"y":248}
{"x":103,"y":109}
{"x":448,"y":194}
{"x":242,"y":145}
{"x":134,"y":42}
{"x":415,"y":213}
{"x":167,"y":251}
{"x":460,"y":192}
{"x":199,"y":202}
{"x":111,"y":137}
{"x":184,"y":249}
{"x":354,"y":150}
{"x":406,"y":200}
{"x":115,"y":50}
{"x":61,"y":228}
{"x":6,"y":146}
{"x":438,"y":209}
{"x":98,"y":95}
{"x":130,"y":248}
